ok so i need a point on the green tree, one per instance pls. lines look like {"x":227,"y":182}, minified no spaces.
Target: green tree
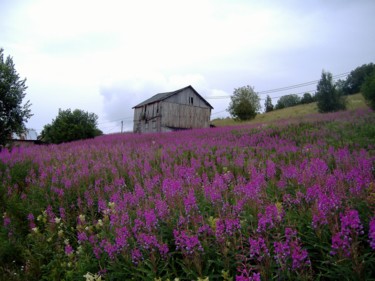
{"x":288,"y":101}
{"x":328,"y":98}
{"x":368,"y":90}
{"x":307,"y":98}
{"x":268,"y":104}
{"x":245,"y":103}
{"x":69,"y":126}
{"x":353,"y":82}
{"x":13,"y":114}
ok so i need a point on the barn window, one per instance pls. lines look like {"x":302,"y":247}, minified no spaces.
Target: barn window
{"x":154,"y":124}
{"x":191,"y":100}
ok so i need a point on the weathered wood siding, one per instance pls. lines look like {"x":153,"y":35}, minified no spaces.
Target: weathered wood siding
{"x":184,"y":116}
{"x":147,"y":118}
{"x":185,"y":96}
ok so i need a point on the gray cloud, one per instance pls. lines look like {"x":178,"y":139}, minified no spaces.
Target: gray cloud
{"x":110,"y":57}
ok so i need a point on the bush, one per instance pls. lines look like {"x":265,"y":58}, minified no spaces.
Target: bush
{"x":69,"y":126}
{"x":245,"y":103}
{"x":268,"y":104}
{"x":368,"y":90}
{"x":307,"y":98}
{"x":353,"y":83}
{"x":288,"y":101}
{"x":328,"y":98}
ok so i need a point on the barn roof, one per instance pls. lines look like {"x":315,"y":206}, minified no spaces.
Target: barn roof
{"x":163,"y":96}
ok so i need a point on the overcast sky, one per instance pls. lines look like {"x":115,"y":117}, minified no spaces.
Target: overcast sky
{"x":107,"y":56}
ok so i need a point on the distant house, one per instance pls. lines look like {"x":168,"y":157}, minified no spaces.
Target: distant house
{"x":28,"y":135}
{"x":178,"y":110}
{"x":27,"y":138}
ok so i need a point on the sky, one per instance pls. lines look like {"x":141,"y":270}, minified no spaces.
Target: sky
{"x":106,"y":57}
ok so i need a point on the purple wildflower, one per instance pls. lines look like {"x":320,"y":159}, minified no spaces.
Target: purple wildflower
{"x":270,"y":218}
{"x":258,"y":249}
{"x":190,"y":202}
{"x":299,"y":256}
{"x":282,"y":252}
{"x":212,"y":193}
{"x":226,"y":228}
{"x":254,"y":276}
{"x":122,"y":235}
{"x":30,"y":218}
{"x":351,"y":227}
{"x":136,"y":256}
{"x":82,"y":236}
{"x":109,"y":248}
{"x":188,"y":244}
{"x":271,"y":169}
{"x":68,"y":250}
{"x":147,"y":241}
{"x":290,"y":250}
{"x":150,"y":218}
{"x":163,"y":250}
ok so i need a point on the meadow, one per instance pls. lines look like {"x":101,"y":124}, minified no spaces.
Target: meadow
{"x":354,"y":102}
{"x":287,"y":200}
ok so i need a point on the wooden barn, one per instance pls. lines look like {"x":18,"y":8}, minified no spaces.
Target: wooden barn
{"x":172,"y":111}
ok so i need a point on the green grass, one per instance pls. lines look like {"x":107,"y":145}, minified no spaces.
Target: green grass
{"x":354,"y":102}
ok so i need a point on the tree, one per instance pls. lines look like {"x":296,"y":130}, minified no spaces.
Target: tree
{"x":328,"y":98}
{"x":368,"y":90}
{"x":353,"y":82}
{"x":307,"y":98}
{"x":69,"y":126}
{"x":268,"y":104}
{"x":288,"y":101}
{"x":340,"y":86}
{"x":245,"y":103}
{"x":13,"y":114}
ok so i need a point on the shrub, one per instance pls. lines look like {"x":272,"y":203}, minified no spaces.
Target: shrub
{"x":245,"y":103}
{"x":368,"y":90}
{"x":288,"y":101}
{"x":328,"y":98}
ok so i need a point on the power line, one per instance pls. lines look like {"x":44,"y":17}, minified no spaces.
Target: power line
{"x":262,"y":99}
{"x":300,"y":93}
{"x":281,"y":89}
{"x":300,"y":85}
{"x":120,"y":119}
{"x":218,"y":112}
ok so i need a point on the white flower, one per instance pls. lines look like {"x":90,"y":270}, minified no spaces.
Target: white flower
{"x":57,"y":220}
{"x":92,"y":277}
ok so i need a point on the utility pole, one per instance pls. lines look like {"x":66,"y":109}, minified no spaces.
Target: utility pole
{"x":122,"y":125}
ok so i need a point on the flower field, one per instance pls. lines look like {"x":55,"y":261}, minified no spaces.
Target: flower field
{"x":283,"y":201}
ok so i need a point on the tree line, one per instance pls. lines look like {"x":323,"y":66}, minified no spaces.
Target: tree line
{"x":330,"y":95}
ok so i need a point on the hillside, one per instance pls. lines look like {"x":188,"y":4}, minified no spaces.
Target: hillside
{"x":285,"y":201}
{"x":354,"y":102}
